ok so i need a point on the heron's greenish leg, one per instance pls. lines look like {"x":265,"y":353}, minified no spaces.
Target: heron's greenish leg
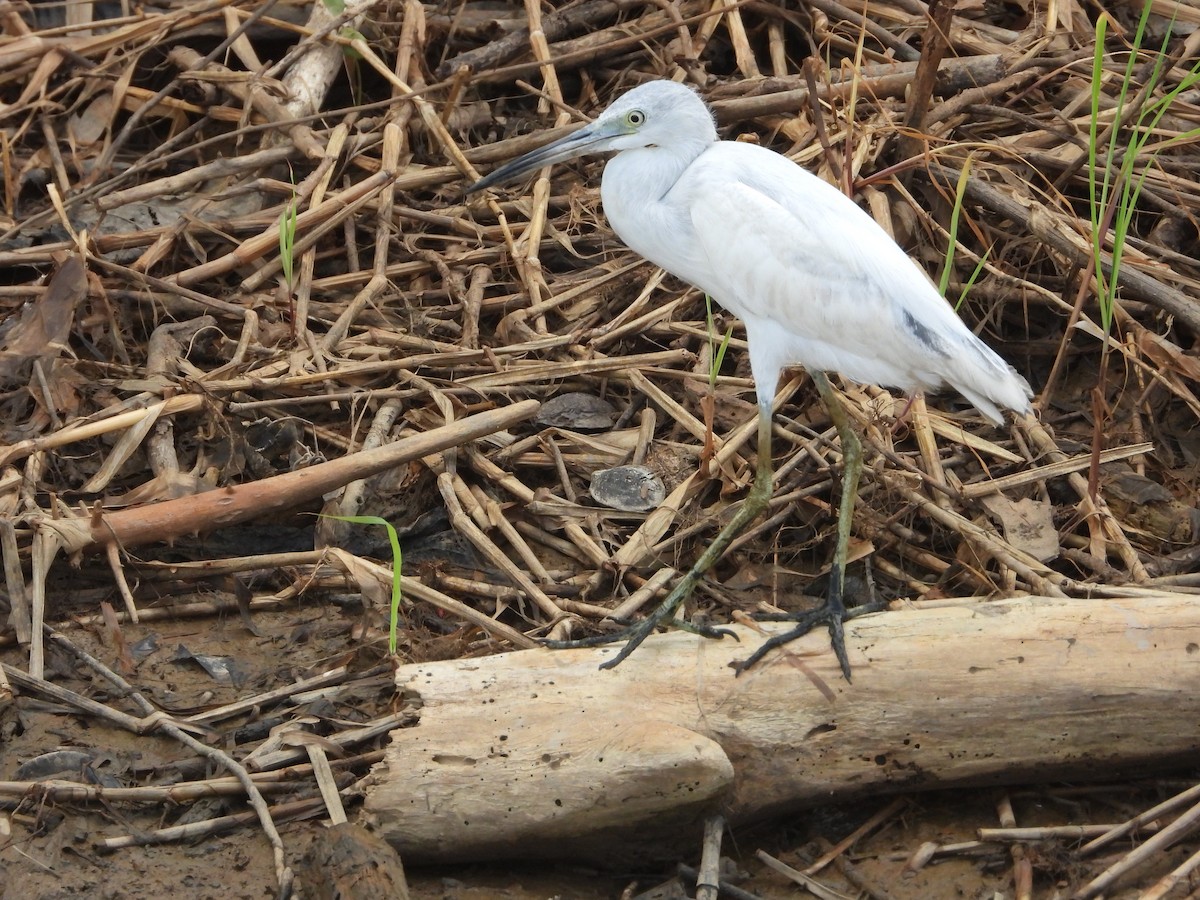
{"x":833,"y":612}
{"x":851,"y":471}
{"x":756,"y":501}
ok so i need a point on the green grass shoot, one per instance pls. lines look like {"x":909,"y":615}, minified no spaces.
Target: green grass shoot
{"x":1113,"y":195}
{"x":716,"y":353}
{"x":353,"y":61}
{"x":975,"y":273}
{"x":397,"y":570}
{"x":960,"y":192}
{"x":287,"y":242}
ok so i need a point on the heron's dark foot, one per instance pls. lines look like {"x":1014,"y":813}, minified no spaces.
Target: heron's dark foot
{"x":832,"y":614}
{"x":635,"y":634}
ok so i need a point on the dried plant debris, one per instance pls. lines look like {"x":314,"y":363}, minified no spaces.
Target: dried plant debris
{"x":242,"y":287}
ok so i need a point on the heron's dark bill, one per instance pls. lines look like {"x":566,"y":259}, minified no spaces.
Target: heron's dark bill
{"x":575,"y":144}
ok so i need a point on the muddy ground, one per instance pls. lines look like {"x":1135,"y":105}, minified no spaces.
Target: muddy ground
{"x":54,"y":848}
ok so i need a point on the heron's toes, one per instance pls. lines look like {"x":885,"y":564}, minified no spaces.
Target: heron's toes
{"x":830,"y":615}
{"x":595,"y":640}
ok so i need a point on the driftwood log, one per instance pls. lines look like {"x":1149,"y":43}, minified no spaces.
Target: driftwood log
{"x":539,"y":754}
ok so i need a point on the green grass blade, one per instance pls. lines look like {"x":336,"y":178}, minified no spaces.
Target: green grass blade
{"x":717,"y":356}
{"x":287,"y":242}
{"x":397,"y":568}
{"x":1126,"y":183}
{"x":975,"y":273}
{"x":960,"y":191}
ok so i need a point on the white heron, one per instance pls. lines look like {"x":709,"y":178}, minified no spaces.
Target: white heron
{"x":815,"y":281}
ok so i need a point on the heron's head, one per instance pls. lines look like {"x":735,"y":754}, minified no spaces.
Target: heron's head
{"x":656,"y":114}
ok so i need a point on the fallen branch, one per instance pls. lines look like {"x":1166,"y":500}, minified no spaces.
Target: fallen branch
{"x":240,"y":503}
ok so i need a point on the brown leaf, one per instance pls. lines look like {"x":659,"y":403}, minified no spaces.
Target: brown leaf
{"x":45,"y":324}
{"x":1168,"y":356}
{"x":1028,"y":525}
{"x":88,"y":126}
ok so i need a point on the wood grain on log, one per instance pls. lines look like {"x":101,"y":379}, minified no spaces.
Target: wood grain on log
{"x":539,"y":754}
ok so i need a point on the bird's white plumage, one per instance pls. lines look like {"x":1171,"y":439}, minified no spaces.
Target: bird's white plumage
{"x":814,"y":279}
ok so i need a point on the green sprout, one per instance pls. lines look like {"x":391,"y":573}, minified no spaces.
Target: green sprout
{"x":287,"y":242}
{"x":960,"y":191}
{"x":1114,"y":196}
{"x":397,"y":569}
{"x":716,"y":353}
{"x":955,"y":214}
{"x":353,"y":61}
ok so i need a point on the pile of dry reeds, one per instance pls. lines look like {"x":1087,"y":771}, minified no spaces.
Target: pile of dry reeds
{"x":241,"y":280}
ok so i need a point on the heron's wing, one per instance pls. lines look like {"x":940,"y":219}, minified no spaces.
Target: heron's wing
{"x":794,"y":250}
{"x":816,"y":280}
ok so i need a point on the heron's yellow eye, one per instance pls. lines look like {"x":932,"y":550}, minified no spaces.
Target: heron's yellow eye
{"x":635,"y":117}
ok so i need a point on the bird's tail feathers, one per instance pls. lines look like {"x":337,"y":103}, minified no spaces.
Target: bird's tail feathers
{"x":993,"y":387}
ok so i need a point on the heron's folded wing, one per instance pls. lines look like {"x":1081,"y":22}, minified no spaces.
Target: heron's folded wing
{"x":792,"y":256}
{"x":787,"y":248}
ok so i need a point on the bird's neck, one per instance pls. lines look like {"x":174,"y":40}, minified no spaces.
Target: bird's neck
{"x":645,"y":196}
{"x":648,"y":173}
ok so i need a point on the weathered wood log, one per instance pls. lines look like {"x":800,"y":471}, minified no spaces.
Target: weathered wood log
{"x":538,"y":754}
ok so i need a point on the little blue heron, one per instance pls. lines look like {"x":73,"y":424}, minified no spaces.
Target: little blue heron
{"x":815,"y":281}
